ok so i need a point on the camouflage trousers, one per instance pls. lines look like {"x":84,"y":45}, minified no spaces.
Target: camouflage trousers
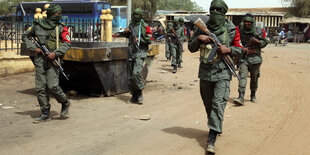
{"x":134,"y":68}
{"x":215,"y":96}
{"x":47,"y":80}
{"x":174,"y":53}
{"x":244,"y":70}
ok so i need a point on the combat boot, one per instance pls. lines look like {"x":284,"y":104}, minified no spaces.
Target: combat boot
{"x":175,"y":68}
{"x":140,"y":97}
{"x":253,"y":97}
{"x":134,"y":97}
{"x":45,"y":116}
{"x":211,"y":141}
{"x":179,"y":65}
{"x":240,"y":99}
{"x":64,"y":109}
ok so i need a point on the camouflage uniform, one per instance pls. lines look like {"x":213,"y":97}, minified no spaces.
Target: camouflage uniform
{"x":250,"y":62}
{"x":47,"y":74}
{"x":136,"y":58}
{"x":181,"y":35}
{"x":215,"y":76}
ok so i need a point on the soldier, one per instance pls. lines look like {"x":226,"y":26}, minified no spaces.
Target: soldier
{"x":253,"y":40}
{"x":215,"y":76}
{"x":180,"y":30}
{"x":168,"y":40}
{"x":137,"y":52}
{"x":47,"y":74}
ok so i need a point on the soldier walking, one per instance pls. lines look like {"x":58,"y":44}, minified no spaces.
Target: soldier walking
{"x":138,"y":47}
{"x":253,"y":40}
{"x":54,"y":35}
{"x":215,"y":76}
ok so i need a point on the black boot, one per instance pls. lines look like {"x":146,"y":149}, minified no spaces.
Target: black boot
{"x":65,"y":109}
{"x":175,"y":68}
{"x":45,"y":116}
{"x":211,"y":141}
{"x":240,"y":99}
{"x":253,"y":97}
{"x":179,"y":65}
{"x":134,"y":97}
{"x":140,"y":97}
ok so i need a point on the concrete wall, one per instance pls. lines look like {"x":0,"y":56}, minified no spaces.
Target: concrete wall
{"x":10,"y":64}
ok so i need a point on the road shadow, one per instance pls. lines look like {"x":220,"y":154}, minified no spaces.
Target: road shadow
{"x":36,"y":113}
{"x":31,"y":91}
{"x":123,"y":97}
{"x":199,"y":135}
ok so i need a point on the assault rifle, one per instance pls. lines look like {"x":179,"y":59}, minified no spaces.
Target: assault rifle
{"x":133,"y":36}
{"x":216,"y":42}
{"x":47,"y":52}
{"x":178,"y":40}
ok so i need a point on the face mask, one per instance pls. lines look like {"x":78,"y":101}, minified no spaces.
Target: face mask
{"x":216,"y":19}
{"x":56,"y":18}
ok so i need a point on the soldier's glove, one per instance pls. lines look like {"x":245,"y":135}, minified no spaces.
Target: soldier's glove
{"x":253,"y":41}
{"x":223,"y":49}
{"x":204,"y":39}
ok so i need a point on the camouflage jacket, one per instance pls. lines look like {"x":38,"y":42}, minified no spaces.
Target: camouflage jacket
{"x":253,"y":58}
{"x":218,"y":70}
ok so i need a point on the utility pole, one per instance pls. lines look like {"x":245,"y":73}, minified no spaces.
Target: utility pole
{"x":129,"y":4}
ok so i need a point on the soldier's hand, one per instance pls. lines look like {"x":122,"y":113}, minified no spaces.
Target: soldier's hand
{"x":135,"y":40}
{"x":126,"y":31}
{"x":51,"y":56}
{"x":254,"y":41}
{"x":223,"y":49}
{"x":38,"y":50}
{"x":204,"y":39}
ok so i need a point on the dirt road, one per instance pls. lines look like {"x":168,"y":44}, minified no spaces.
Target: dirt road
{"x":277,"y":124}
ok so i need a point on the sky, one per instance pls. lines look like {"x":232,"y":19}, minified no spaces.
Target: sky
{"x":205,"y":4}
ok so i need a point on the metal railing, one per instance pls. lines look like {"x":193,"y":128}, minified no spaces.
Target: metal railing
{"x":80,"y":30}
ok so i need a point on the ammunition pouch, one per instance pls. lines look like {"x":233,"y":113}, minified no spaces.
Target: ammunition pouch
{"x":205,"y":50}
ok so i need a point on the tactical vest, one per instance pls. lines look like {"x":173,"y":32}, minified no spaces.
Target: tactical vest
{"x":245,"y":37}
{"x":205,"y":49}
{"x":48,"y":37}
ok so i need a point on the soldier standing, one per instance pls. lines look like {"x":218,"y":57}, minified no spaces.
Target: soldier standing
{"x":168,"y":41}
{"x":137,"y":51}
{"x":182,"y":36}
{"x":253,"y":40}
{"x":50,"y":32}
{"x":215,"y":76}
{"x":180,"y":31}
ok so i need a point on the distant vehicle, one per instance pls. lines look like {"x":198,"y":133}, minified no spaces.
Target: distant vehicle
{"x":119,"y":18}
{"x":74,"y":12}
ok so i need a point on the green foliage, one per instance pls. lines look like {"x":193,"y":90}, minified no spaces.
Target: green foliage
{"x":184,"y":5}
{"x":5,"y":5}
{"x":299,"y":8}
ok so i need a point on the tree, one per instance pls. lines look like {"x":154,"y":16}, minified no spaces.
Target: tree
{"x":5,"y":5}
{"x":184,"y":5}
{"x":299,"y":8}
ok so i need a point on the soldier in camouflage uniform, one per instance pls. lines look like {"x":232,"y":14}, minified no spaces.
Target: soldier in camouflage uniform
{"x":182,"y":36}
{"x":136,"y":56}
{"x":168,"y":41}
{"x":174,"y":45}
{"x":253,"y":40}
{"x":180,"y":29}
{"x":47,"y":74}
{"x":215,"y":76}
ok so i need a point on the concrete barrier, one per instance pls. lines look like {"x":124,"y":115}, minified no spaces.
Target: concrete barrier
{"x":11,"y":63}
